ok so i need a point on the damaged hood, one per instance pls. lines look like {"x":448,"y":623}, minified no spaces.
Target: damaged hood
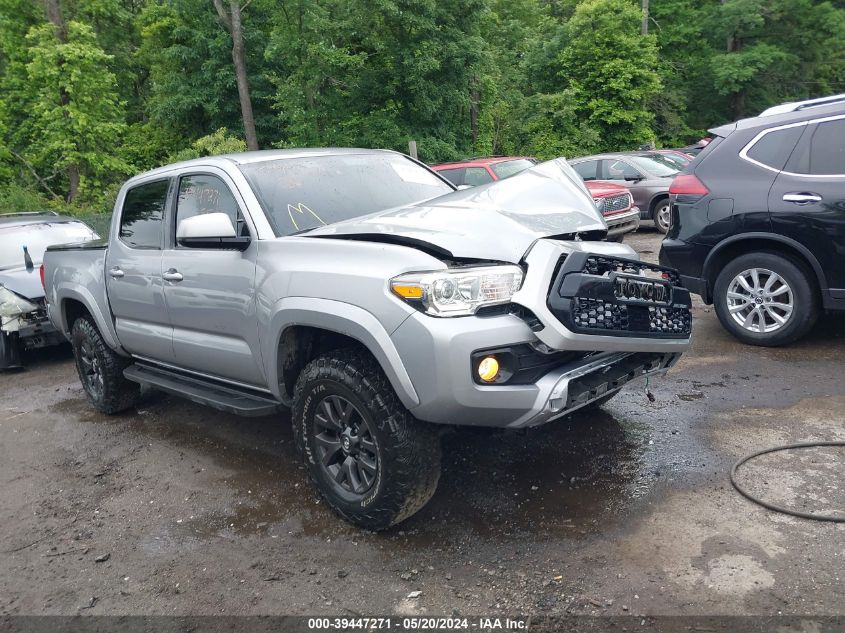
{"x":23,"y":282}
{"x":498,"y":221}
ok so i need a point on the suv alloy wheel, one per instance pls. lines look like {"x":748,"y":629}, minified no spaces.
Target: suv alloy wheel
{"x":766,"y":299}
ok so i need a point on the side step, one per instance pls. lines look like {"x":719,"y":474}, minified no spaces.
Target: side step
{"x":214,"y":394}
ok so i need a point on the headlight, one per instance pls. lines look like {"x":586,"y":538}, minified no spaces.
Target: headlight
{"x":459,"y":292}
{"x":12,"y":305}
{"x":599,"y":204}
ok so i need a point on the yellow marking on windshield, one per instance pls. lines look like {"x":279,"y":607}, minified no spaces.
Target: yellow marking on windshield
{"x":301,"y":209}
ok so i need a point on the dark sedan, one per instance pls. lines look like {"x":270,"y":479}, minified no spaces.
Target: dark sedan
{"x":23,"y":318}
{"x":647,"y":174}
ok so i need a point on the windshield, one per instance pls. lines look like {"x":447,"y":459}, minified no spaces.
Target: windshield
{"x":299,"y":194}
{"x":509,"y":168}
{"x":36,"y":238}
{"x":656,"y":164}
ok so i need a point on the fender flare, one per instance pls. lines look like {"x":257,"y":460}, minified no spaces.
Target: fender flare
{"x":346,"y":319}
{"x":84,"y":296}
{"x":709,"y":261}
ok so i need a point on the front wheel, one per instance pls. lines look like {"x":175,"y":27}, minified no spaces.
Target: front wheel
{"x":663,"y":216}
{"x":371,"y":460}
{"x":766,"y":299}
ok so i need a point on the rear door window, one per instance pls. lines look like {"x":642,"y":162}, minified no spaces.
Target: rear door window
{"x":475,"y":176}
{"x":141,"y":220}
{"x":774,"y":148}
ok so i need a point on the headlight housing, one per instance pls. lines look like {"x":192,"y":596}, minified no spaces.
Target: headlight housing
{"x":13,"y":305}
{"x":460,"y":291}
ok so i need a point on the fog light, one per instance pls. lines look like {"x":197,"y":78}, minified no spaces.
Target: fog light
{"x":488,"y":369}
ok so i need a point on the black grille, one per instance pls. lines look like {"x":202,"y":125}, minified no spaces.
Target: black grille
{"x":599,"y":315}
{"x":585,"y":296}
{"x":598,"y":265}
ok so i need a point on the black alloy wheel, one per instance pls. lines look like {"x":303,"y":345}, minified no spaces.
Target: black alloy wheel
{"x":346,"y":447}
{"x":90,"y":371}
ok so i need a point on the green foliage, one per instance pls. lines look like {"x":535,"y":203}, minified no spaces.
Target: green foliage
{"x":74,"y":116}
{"x":126,"y":86}
{"x":612,"y":72}
{"x":218,"y":142}
{"x":16,"y":199}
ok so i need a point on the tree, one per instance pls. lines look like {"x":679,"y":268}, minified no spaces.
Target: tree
{"x":377,"y":73}
{"x":611,"y":70}
{"x":75,"y":118}
{"x":219,"y":142}
{"x":231,"y":20}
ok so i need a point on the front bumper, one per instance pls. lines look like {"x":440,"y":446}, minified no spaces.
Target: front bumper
{"x":621,"y":223}
{"x":437,"y":353}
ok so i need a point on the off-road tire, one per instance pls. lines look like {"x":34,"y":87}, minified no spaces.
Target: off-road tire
{"x":117,"y":393}
{"x":408,"y":450}
{"x":800,"y":280}
{"x":660,"y":207}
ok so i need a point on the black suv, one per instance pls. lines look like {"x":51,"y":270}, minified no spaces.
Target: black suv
{"x":758,"y":221}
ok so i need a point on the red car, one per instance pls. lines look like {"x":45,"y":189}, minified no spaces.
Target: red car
{"x":614,"y":201}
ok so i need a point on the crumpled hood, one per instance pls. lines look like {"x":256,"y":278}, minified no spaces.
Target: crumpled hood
{"x":498,"y":221}
{"x":26,"y":283}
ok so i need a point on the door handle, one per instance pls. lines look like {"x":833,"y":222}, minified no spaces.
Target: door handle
{"x":116,"y":273}
{"x":801,"y":197}
{"x":172,"y":275}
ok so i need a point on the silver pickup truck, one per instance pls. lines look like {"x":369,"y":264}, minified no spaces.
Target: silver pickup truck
{"x":364,"y":292}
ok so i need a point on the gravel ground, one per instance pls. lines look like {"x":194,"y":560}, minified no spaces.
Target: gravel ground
{"x":178,"y":509}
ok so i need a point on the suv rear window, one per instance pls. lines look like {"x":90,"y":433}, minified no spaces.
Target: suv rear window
{"x":143,"y":209}
{"x":773,"y":148}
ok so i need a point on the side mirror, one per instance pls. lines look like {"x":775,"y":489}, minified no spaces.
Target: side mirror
{"x":636,"y":178}
{"x":210,"y":230}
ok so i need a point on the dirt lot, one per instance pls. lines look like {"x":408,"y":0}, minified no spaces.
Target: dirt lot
{"x":623,"y":511}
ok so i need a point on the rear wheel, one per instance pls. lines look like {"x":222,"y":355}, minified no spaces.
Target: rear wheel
{"x":100,"y":369}
{"x":766,"y":299}
{"x":371,"y":460}
{"x":663,"y":215}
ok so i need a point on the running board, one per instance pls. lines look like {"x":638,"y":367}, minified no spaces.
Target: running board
{"x":213,"y":394}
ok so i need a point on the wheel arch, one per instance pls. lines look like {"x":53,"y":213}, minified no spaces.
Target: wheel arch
{"x":302,"y":327}
{"x":655,"y":200}
{"x":77,"y":302}
{"x":754,"y":242}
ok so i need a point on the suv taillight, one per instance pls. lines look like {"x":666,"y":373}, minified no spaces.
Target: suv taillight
{"x":41,"y":274}
{"x":688,"y":185}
